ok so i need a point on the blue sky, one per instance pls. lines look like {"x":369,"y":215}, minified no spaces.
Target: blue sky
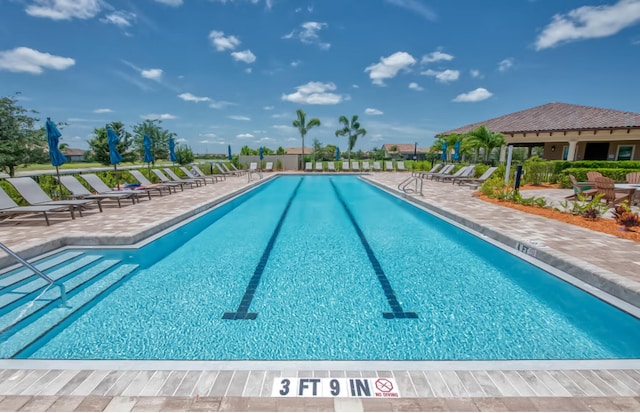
{"x":221,"y":72}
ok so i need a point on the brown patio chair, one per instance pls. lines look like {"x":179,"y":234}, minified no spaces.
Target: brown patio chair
{"x":633,"y":178}
{"x":592,"y":175}
{"x":585,"y":189}
{"x":611,"y":195}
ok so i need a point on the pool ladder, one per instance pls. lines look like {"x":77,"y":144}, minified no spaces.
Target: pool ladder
{"x":406,"y":185}
{"x":251,"y":172}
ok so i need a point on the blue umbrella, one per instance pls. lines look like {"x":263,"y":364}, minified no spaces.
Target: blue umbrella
{"x":148,"y":156}
{"x":229,"y":151}
{"x":172,"y":150}
{"x":57,"y":157}
{"x":337,"y":153}
{"x":456,"y":150}
{"x":261,"y":153}
{"x":114,"y":156}
{"x":444,"y":151}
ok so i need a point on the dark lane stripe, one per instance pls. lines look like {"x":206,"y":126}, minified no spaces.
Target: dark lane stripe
{"x":242,"y":313}
{"x":396,"y":308}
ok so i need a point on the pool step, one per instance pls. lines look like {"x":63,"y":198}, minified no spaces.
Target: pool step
{"x":27,"y":331}
{"x":22,"y":273}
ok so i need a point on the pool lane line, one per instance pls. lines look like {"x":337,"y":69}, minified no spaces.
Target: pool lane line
{"x":396,"y":308}
{"x":242,"y":312}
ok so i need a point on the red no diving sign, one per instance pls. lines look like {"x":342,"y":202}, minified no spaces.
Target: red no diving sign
{"x":334,"y":387}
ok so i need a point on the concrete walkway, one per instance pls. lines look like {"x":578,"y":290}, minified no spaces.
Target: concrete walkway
{"x":602,"y":385}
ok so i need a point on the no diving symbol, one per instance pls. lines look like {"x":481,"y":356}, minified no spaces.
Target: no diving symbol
{"x":384,"y":385}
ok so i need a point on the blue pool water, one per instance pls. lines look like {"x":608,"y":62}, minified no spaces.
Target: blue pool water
{"x":331,"y":268}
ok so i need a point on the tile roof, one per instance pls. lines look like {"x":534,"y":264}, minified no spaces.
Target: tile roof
{"x":400,"y":147}
{"x":554,"y":117}
{"x":298,"y":151}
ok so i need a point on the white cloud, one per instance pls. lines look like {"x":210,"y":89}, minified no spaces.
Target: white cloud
{"x":268,"y":107}
{"x":282,"y":127}
{"x":415,"y":86}
{"x":308,"y":33}
{"x":474,"y":96}
{"x":295,"y":63}
{"x":119,"y":18}
{"x":475,"y":73}
{"x":154,"y":74}
{"x":172,"y":3}
{"x":244,"y":136}
{"x":505,"y":65}
{"x":192,"y":98}
{"x":436,"y":57}
{"x":24,"y":59}
{"x":222,"y":43}
{"x":315,"y":93}
{"x":414,"y":6}
{"x":238,"y":117}
{"x":373,"y":112}
{"x":589,"y":22}
{"x":444,"y":76}
{"x":164,"y":116}
{"x":244,"y":56}
{"x":64,"y":9}
{"x":103,"y":110}
{"x":220,"y":104}
{"x":389,"y":67}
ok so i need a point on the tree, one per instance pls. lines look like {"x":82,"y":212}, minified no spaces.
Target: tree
{"x":303,"y":126}
{"x":184,"y":155}
{"x":484,"y":138}
{"x":100,"y":147}
{"x":20,"y":143}
{"x":280,"y":151}
{"x":352,"y":130}
{"x":158,"y":135}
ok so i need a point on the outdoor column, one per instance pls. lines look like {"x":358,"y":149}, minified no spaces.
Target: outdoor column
{"x":503,"y":153}
{"x":571,"y":155}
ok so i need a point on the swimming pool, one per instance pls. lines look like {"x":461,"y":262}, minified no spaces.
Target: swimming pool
{"x":331,"y":268}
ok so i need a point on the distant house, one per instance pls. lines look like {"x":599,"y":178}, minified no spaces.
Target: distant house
{"x":404,"y":151}
{"x":298,"y":151}
{"x":569,"y":132}
{"x":75,"y":155}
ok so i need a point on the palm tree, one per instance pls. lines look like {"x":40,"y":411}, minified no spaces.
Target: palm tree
{"x":484,"y":138}
{"x":352,"y":130}
{"x":304,"y":127}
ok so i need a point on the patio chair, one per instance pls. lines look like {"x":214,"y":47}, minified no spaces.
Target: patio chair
{"x":222,"y":166}
{"x":35,"y":195}
{"x":611,"y":195}
{"x":469,"y":181}
{"x":169,"y":182}
{"x":9,"y":208}
{"x":331,"y":166}
{"x":174,"y":177}
{"x":147,"y":184}
{"x":198,"y":172}
{"x":376,"y":166}
{"x":388,"y":166}
{"x":365,"y":166}
{"x":268,"y":167}
{"x":585,"y":189}
{"x":225,"y":172}
{"x":633,"y":178}
{"x":191,"y":176}
{"x":100,"y":187}
{"x":446,"y":170}
{"x":308,"y":167}
{"x":236,"y":170}
{"x":433,"y":170}
{"x":464,"y":172}
{"x":400,"y":166}
{"x":592,"y":175}
{"x":318,"y":166}
{"x":355,"y":166}
{"x":345,"y":166}
{"x":78,"y":191}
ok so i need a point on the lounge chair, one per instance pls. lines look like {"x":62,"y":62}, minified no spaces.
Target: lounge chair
{"x":400,"y":166}
{"x":584,"y":189}
{"x":8,"y":207}
{"x":169,"y":182}
{"x":433,"y":170}
{"x":464,"y":172}
{"x":376,"y":166}
{"x":224,"y":171}
{"x":223,"y":167}
{"x":611,"y":195}
{"x":476,"y":181}
{"x":345,"y":166}
{"x":308,"y":167}
{"x":365,"y":166}
{"x":355,"y":166}
{"x":331,"y":166}
{"x":35,"y":195}
{"x":388,"y":166}
{"x":176,"y":178}
{"x":633,"y":178}
{"x":78,"y":191}
{"x":193,"y":177}
{"x":268,"y":167}
{"x":446,"y":170}
{"x":236,"y":170}
{"x":100,"y":187}
{"x":319,"y":166}
{"x":148,"y":184}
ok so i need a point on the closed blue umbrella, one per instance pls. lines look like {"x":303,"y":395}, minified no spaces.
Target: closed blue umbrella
{"x":456,"y":150}
{"x":114,"y":156}
{"x":261,"y":154}
{"x":57,"y":157}
{"x":172,"y":150}
{"x":444,"y":151}
{"x":229,"y":152}
{"x":337,"y":153}
{"x":148,"y":156}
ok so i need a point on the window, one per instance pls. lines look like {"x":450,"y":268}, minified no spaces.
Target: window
{"x":625,"y":152}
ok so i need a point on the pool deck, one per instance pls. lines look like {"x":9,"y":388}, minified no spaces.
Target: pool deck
{"x":608,"y":262}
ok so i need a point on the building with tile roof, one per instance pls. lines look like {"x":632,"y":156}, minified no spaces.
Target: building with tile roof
{"x":404,"y":151}
{"x":571,"y":132}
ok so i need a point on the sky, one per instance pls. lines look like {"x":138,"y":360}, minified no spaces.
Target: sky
{"x":234,"y":72}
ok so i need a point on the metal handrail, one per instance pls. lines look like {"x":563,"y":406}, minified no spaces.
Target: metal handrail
{"x":404,"y":184}
{"x":63,"y":292}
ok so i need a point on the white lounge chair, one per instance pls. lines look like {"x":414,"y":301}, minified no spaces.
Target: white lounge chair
{"x":319,"y":166}
{"x":331,"y":166}
{"x":388,"y":166}
{"x":400,"y":166}
{"x":365,"y":166}
{"x":355,"y":166}
{"x":308,"y":167}
{"x":376,"y":166}
{"x":268,"y":167}
{"x":345,"y":166}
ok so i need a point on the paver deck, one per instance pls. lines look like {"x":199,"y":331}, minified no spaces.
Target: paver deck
{"x":601,"y":385}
